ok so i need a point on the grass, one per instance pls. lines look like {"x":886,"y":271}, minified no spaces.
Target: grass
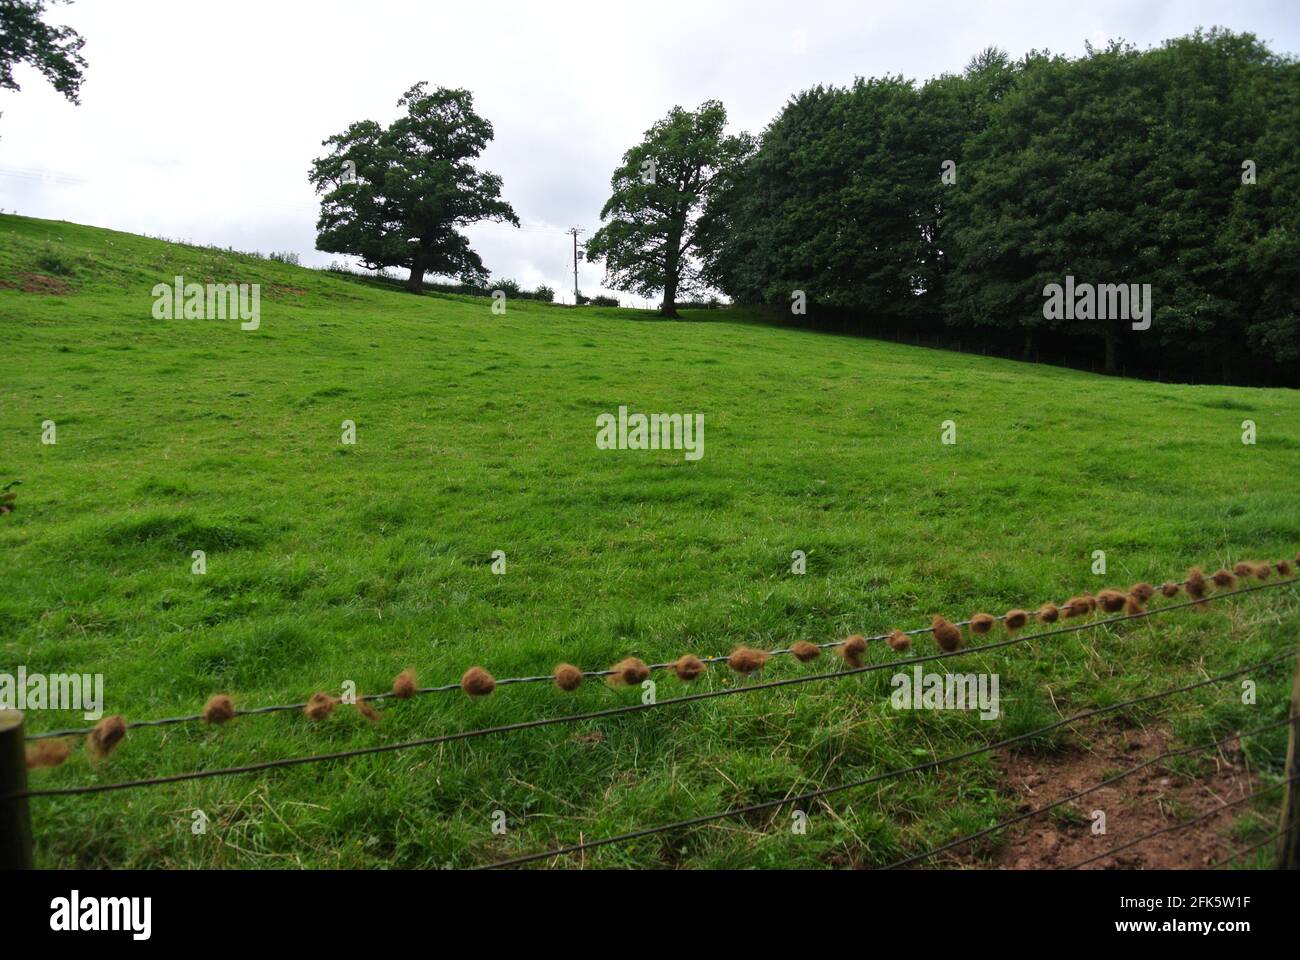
{"x":475,"y":433}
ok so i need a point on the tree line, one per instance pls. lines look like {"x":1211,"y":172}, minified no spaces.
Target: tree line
{"x":950,"y":208}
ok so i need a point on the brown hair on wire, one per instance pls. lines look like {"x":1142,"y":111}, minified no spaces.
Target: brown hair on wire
{"x":853,"y":649}
{"x":47,"y":753}
{"x":1112,"y":601}
{"x":106,"y":736}
{"x":746,"y":660}
{"x":688,"y":667}
{"x":982,"y":623}
{"x":899,"y":641}
{"x":804,"y":651}
{"x":946,"y":634}
{"x":404,"y":685}
{"x":629,"y":673}
{"x":319,"y":706}
{"x":568,"y":677}
{"x":220,"y":709}
{"x":477,"y":682}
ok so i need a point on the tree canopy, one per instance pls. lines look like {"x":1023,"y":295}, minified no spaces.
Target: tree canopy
{"x":395,"y":196}
{"x":950,"y":206}
{"x":653,"y":232}
{"x":54,"y":51}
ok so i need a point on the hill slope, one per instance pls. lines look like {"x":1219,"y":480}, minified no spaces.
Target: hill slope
{"x":476,"y":433}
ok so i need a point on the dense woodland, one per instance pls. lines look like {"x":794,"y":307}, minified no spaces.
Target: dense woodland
{"x":1175,"y":166}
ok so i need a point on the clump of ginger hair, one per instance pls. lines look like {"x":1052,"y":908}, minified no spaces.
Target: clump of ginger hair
{"x":946,"y":634}
{"x":106,"y":736}
{"x":1170,"y":589}
{"x":688,"y":667}
{"x":47,"y":753}
{"x":1223,"y":579}
{"x":1112,"y":601}
{"x":568,"y":677}
{"x":1048,"y":613}
{"x":1284,"y":568}
{"x":1015,"y":620}
{"x":1196,"y":585}
{"x":747,"y":660}
{"x":1133,"y":605}
{"x":319,"y":706}
{"x":804,"y":651}
{"x":853,"y":649}
{"x":899,"y":641}
{"x":366,"y":709}
{"x":1263,"y":571}
{"x":404,"y":685}
{"x":982,"y":623}
{"x":1077,"y":606}
{"x":1143,"y":591}
{"x":477,"y":682}
{"x":1244,"y":570}
{"x":630,"y":672}
{"x":220,"y":709}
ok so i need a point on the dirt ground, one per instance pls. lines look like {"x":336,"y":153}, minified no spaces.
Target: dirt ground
{"x":1145,"y":801}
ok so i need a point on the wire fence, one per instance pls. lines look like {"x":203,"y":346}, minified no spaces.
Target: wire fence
{"x":1200,"y":599}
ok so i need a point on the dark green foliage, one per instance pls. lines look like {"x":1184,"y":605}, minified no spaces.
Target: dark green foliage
{"x":54,"y":51}
{"x":653,"y":232}
{"x":1119,"y":167}
{"x":394,"y":196}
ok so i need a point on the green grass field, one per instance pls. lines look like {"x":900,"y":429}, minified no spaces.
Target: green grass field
{"x":476,"y":433}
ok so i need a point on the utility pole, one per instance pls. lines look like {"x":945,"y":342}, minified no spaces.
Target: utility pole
{"x":575,"y":231}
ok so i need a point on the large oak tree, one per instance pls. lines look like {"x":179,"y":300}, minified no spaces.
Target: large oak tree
{"x":395,"y":196}
{"x":651,"y":239}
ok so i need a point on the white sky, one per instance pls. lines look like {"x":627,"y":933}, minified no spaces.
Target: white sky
{"x":199,"y":120}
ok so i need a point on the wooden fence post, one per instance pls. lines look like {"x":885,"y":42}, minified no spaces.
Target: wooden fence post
{"x":15,"y":817}
{"x":1288,"y":854}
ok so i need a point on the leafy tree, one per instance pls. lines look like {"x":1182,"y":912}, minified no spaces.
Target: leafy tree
{"x":54,"y":51}
{"x":394,"y":196}
{"x":651,"y":240}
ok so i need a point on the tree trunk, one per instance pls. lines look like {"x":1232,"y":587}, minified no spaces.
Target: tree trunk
{"x":672,"y":267}
{"x":1112,"y":350}
{"x":1029,"y":344}
{"x":416,"y":282}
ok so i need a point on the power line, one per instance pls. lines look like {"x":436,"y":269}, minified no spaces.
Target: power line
{"x":876,"y":778}
{"x":785,"y":651}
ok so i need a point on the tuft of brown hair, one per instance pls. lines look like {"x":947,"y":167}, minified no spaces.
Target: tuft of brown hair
{"x":1143,"y":591}
{"x":1048,"y":613}
{"x":852,"y":650}
{"x":220,"y":709}
{"x":899,"y":641}
{"x":477,"y":682}
{"x":404,"y":685}
{"x":319,"y":706}
{"x":1170,"y":589}
{"x":804,"y":651}
{"x":103,"y":740}
{"x":568,"y":677}
{"x":1224,"y":579}
{"x":366,"y":709}
{"x":1263,"y":571}
{"x":1015,"y":619}
{"x":747,"y":660}
{"x":47,"y":753}
{"x":630,"y":672}
{"x":1077,"y":606}
{"x":946,"y":635}
{"x":1244,"y":569}
{"x":688,"y":667}
{"x":1196,"y":584}
{"x":982,"y":623}
{"x":1284,"y":568}
{"x":1112,"y":601}
{"x":1133,"y":605}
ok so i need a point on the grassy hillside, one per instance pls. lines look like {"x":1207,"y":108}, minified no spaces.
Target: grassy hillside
{"x":475,"y":433}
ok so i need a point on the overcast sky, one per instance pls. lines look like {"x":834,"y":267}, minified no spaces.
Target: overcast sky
{"x":199,"y":120}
